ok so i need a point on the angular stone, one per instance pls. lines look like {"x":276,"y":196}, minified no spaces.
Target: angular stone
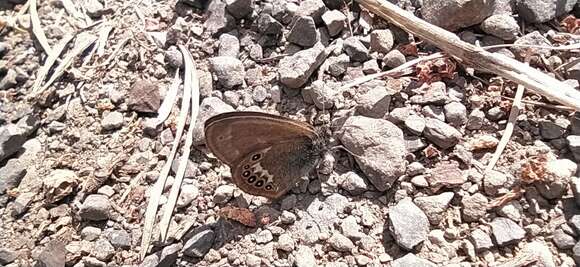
{"x":296,"y":69}
{"x":303,"y":32}
{"x":408,"y":224}
{"x":229,"y":71}
{"x":506,"y":231}
{"x":144,"y":97}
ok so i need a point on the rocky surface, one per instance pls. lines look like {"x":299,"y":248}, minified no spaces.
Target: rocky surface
{"x":405,"y":180}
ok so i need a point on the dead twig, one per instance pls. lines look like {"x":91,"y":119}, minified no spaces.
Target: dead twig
{"x":509,"y":128}
{"x":477,"y":57}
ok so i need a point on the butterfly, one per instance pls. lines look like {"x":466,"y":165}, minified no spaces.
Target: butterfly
{"x":266,"y":153}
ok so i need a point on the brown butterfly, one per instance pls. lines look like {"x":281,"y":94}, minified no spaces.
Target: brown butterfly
{"x":267,"y":154}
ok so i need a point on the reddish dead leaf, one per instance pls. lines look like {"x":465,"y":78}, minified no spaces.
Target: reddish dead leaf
{"x":436,"y":70}
{"x":571,"y":24}
{"x":243,"y":216}
{"x":409,"y":49}
{"x":431,"y":151}
{"x":534,"y":169}
{"x":482,"y":142}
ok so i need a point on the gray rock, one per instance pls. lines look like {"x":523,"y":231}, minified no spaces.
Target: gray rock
{"x":90,"y":233}
{"x":341,"y":243}
{"x":380,"y":146}
{"x":351,"y":229}
{"x":229,"y":46}
{"x":229,"y":71}
{"x":576,"y":253}
{"x":9,"y":80}
{"x":144,"y":97}
{"x":12,"y":138}
{"x":574,"y":145}
{"x":7,"y":256}
{"x":112,"y":121}
{"x":218,"y":19}
{"x":267,"y":25}
{"x":371,"y":66}
{"x":575,"y":185}
{"x":303,"y":32}
{"x":259,"y":94}
{"x":475,"y":120}
{"x":286,"y":242}
{"x":296,"y":69}
{"x":95,"y":208}
{"x":412,"y":260}
{"x":503,"y":26}
{"x":199,"y":244}
{"x":22,"y":203}
{"x":493,"y":182}
{"x":355,"y":49}
{"x":575,"y":122}
{"x":408,"y":224}
{"x":253,"y":260}
{"x":11,"y":175}
{"x":533,"y":38}
{"x":481,"y":240}
{"x":150,"y":261}
{"x":374,"y":103}
{"x":189,"y":192}
{"x":103,"y":250}
{"x":551,"y":130}
{"x":558,"y":174}
{"x":173,"y":57}
{"x":118,"y":238}
{"x":94,"y":8}
{"x":474,"y":207}
{"x":433,"y":112}
{"x":223,"y":194}
{"x":435,"y":94}
{"x":264,"y":236}
{"x":538,"y":11}
{"x":415,"y":124}
{"x":335,"y":21}
{"x":440,"y":133}
{"x":321,"y":94}
{"x":394,"y":58}
{"x":205,"y":83}
{"x":338,"y":65}
{"x":312,"y":8}
{"x":512,"y":210}
{"x":382,"y":41}
{"x":455,"y":14}
{"x":240,"y":8}
{"x":542,"y":252}
{"x":435,"y":206}
{"x":563,"y":240}
{"x":305,"y":257}
{"x":455,"y":113}
{"x":169,"y":255}
{"x":353,"y":183}
{"x":325,"y":213}
{"x":506,"y":231}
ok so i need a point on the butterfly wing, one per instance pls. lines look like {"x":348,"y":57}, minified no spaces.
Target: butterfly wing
{"x":272,"y":170}
{"x":232,"y":135}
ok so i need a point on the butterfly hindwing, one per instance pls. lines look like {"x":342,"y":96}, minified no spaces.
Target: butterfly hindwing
{"x":273,"y":170}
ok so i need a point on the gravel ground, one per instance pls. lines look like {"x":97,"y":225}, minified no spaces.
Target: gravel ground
{"x":79,"y":153}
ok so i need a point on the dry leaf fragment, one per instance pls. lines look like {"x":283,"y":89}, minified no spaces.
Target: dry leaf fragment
{"x":241,"y":215}
{"x":502,"y":200}
{"x":571,"y":24}
{"x":534,"y":169}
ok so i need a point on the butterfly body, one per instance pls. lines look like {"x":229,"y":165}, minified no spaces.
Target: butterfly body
{"x":267,"y":154}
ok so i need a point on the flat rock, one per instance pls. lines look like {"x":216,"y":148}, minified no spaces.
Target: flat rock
{"x":374,"y":103}
{"x":506,"y":231}
{"x":303,"y":32}
{"x":481,"y":240}
{"x":240,"y":8}
{"x":96,"y":207}
{"x":218,"y":19}
{"x":455,"y":14}
{"x":144,"y":97}
{"x":12,"y":138}
{"x":408,"y":224}
{"x":441,"y":133}
{"x":474,"y":207}
{"x":538,"y":11}
{"x":295,"y":70}
{"x":380,"y":146}
{"x":412,"y":260}
{"x":305,"y":257}
{"x":335,"y":22}
{"x":503,"y":26}
{"x":11,"y":175}
{"x":435,"y":206}
{"x":355,"y":49}
{"x":230,"y":71}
